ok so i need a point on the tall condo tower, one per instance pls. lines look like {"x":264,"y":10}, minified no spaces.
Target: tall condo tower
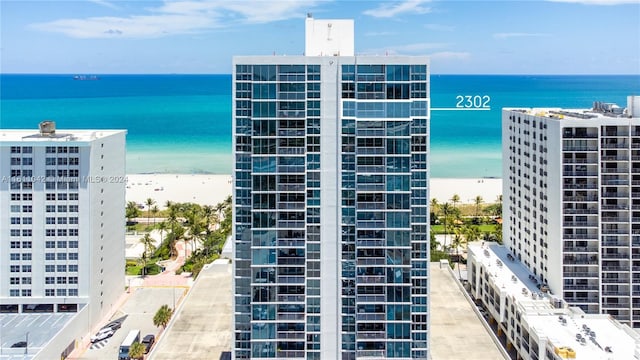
{"x":62,"y":200}
{"x":572,"y":203}
{"x":331,"y":202}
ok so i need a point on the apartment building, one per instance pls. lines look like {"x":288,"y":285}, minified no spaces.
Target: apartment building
{"x":62,"y":199}
{"x":535,"y":324}
{"x":331,"y":202}
{"x":572,"y":202}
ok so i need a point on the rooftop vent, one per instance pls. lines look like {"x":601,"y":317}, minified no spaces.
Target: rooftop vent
{"x":47,"y":128}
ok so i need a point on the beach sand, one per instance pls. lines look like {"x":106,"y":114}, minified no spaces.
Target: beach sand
{"x":213,"y":189}
{"x":199,"y":189}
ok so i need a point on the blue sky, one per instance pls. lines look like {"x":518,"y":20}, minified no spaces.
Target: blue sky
{"x":201,"y":36}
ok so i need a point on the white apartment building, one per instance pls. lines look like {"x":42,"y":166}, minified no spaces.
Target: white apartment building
{"x":534,"y":324}
{"x":572,"y":202}
{"x":331,"y":202}
{"x":62,"y":201}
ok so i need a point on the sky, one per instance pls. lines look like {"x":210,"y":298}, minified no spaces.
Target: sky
{"x":202,"y":36}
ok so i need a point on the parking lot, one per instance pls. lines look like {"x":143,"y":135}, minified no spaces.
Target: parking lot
{"x":138,"y":312}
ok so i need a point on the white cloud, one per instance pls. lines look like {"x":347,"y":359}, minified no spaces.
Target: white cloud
{"x":105,"y":4}
{"x":439,"y":27}
{"x":388,"y":10}
{"x":450,"y":55}
{"x":599,"y":2}
{"x":178,"y":17}
{"x":517,"y":34}
{"x":407,"y":49}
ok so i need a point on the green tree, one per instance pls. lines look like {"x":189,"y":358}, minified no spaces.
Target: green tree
{"x":149,"y":202}
{"x":457,"y":242}
{"x":446,"y":212}
{"x":147,"y":241}
{"x":478,"y":201}
{"x":136,"y":351}
{"x":132,"y":211}
{"x":155,"y":211}
{"x":455,"y":199}
{"x":162,"y":316}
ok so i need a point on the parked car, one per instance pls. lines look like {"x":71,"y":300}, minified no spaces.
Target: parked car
{"x":148,"y":341}
{"x":102,"y":334}
{"x":19,"y":344}
{"x":114,"y":325}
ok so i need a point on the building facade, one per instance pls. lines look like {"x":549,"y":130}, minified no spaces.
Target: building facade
{"x":532,"y":323}
{"x":572,"y":203}
{"x":331,"y":202}
{"x":62,"y":200}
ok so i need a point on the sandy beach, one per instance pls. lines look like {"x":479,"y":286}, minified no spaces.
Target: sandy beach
{"x":213,"y":189}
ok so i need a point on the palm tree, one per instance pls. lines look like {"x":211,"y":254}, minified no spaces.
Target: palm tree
{"x":136,"y":351}
{"x":147,"y":241}
{"x":207,"y":212}
{"x":446,"y":211}
{"x":455,"y":199}
{"x":458,"y":240}
{"x":154,"y":211}
{"x":162,"y":316}
{"x":478,"y":201}
{"x":149,"y":202}
{"x":132,"y":210}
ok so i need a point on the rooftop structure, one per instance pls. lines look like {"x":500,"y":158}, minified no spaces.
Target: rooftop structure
{"x":572,"y":202}
{"x":536,"y":324}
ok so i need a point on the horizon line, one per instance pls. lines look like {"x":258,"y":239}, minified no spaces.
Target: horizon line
{"x":205,"y":74}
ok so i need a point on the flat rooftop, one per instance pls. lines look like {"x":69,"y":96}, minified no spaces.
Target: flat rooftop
{"x":509,"y":274}
{"x":570,"y":114}
{"x":60,"y":135}
{"x":456,"y":330}
{"x":612,"y":340}
{"x":202,"y":327}
{"x":41,"y":328}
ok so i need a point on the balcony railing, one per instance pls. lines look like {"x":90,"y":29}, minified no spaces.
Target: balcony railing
{"x":580,"y":274}
{"x":580,"y":249}
{"x":616,"y":306}
{"x":581,"y":211}
{"x":581,"y":223}
{"x":581,"y":287}
{"x":580,"y":173}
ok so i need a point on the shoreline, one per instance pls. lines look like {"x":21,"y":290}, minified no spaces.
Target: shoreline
{"x":211,"y":189}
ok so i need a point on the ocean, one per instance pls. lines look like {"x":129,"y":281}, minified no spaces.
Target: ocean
{"x":182,"y":123}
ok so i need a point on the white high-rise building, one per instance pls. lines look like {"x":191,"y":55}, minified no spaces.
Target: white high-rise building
{"x":62,"y":201}
{"x":331,"y":204}
{"x":572,"y":202}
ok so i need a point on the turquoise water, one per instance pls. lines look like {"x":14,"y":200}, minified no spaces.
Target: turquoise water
{"x":182,"y":123}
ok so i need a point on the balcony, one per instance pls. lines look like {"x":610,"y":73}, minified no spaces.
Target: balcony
{"x":370,"y":298}
{"x":580,"y":186}
{"x":615,"y":194}
{"x":615,"y":281}
{"x":616,"y":305}
{"x":623,"y":182}
{"x":593,"y":236}
{"x":581,"y":223}
{"x":615,"y":268}
{"x":615,"y":207}
{"x":580,"y":249}
{"x":580,"y":274}
{"x":581,"y":287}
{"x":615,"y":170}
{"x":579,"y":161}
{"x":615,"y":158}
{"x":371,"y":335}
{"x":378,"y":354}
{"x":615,"y":243}
{"x":614,"y":256}
{"x":371,"y":279}
{"x":615,"y":219}
{"x":580,"y":173}
{"x":580,"y":148}
{"x":615,"y":145}
{"x":593,"y":211}
{"x":370,"y":317}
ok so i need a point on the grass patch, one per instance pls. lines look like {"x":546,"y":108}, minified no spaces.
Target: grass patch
{"x":484,"y":228}
{"x":133,"y":267}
